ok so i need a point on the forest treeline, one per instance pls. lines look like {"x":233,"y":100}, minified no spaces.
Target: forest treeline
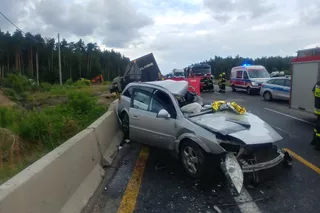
{"x":79,"y":60}
{"x":273,"y":63}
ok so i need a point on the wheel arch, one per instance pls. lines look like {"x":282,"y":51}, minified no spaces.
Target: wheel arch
{"x":190,"y":137}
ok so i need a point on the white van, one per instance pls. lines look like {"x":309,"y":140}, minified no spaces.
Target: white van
{"x":248,"y":77}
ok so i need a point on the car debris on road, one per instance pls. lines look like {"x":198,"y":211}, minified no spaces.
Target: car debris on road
{"x":166,"y":115}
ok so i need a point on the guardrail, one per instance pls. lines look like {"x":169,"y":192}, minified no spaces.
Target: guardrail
{"x":65,"y":179}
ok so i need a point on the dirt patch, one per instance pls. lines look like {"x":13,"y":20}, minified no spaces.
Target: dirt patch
{"x":4,"y":100}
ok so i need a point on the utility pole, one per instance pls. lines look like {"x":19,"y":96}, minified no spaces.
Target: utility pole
{"x":37,"y":67}
{"x":60,"y":74}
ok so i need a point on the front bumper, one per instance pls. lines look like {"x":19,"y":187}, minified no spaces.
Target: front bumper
{"x":249,"y":168}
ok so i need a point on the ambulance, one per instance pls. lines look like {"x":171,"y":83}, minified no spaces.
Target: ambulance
{"x":248,"y":77}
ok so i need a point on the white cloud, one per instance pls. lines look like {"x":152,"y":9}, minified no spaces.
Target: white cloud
{"x":178,"y":32}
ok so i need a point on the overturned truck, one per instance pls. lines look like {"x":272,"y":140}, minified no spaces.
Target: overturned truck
{"x":141,"y":69}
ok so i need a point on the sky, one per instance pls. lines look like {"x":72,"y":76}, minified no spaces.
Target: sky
{"x":177,"y":32}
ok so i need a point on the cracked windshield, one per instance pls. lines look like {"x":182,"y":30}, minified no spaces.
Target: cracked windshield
{"x":140,"y":106}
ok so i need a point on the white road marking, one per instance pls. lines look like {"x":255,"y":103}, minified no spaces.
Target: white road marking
{"x":245,"y":202}
{"x":289,"y":116}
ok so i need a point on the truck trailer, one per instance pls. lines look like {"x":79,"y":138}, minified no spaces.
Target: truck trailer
{"x":305,"y":71}
{"x":141,"y":69}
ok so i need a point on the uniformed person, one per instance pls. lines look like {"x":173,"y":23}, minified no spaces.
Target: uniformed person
{"x":219,"y":82}
{"x":223,"y":82}
{"x":316,"y":135}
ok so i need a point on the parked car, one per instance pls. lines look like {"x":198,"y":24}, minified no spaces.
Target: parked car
{"x":276,"y":88}
{"x":165,"y":114}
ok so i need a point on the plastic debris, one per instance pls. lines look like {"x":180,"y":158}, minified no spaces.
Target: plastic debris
{"x":127,"y":140}
{"x":119,"y":147}
{"x":184,"y":197}
{"x":217,"y":209}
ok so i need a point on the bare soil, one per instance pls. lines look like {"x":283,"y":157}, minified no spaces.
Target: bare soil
{"x":4,"y":100}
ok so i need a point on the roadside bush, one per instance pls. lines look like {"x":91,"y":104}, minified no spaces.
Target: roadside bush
{"x":18,"y":82}
{"x":45,"y":86}
{"x":69,"y":81}
{"x":11,"y":94}
{"x":82,"y":83}
{"x":52,"y":125}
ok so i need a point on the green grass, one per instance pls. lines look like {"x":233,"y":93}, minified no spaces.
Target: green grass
{"x":39,"y":131}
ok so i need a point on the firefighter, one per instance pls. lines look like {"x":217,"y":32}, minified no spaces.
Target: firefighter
{"x":219,"y":82}
{"x":316,"y":134}
{"x":223,"y":82}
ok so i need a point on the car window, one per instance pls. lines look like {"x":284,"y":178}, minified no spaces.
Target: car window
{"x":270,"y":81}
{"x":245,"y":75}
{"x":288,"y":83}
{"x":279,"y":82}
{"x":160,"y":101}
{"x":239,"y":74}
{"x":128,"y":92}
{"x":141,"y":100}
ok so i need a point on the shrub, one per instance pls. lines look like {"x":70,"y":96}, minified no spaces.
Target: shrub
{"x":19,"y":83}
{"x":82,"y":82}
{"x":69,"y":81}
{"x":45,"y":86}
{"x":11,"y":94}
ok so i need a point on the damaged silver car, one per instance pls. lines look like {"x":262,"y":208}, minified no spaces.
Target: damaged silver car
{"x":165,"y":114}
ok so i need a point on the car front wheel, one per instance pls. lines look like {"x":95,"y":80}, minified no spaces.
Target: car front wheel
{"x":193,"y":159}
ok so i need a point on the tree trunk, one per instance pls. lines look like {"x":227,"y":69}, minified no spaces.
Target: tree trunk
{"x":31,"y":62}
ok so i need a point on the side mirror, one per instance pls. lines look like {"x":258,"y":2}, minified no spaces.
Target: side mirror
{"x":163,"y":114}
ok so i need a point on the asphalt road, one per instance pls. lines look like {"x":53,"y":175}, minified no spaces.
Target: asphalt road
{"x":154,"y":181}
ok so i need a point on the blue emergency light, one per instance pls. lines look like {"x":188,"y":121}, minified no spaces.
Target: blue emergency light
{"x":246,"y":65}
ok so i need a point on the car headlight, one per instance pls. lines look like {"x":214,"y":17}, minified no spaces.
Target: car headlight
{"x":254,"y":83}
{"x":233,"y":171}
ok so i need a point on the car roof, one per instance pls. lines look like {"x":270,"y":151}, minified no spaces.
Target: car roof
{"x":174,"y":87}
{"x":281,"y":77}
{"x":247,"y":67}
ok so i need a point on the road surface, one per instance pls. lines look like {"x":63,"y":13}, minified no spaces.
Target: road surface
{"x":151,"y":180}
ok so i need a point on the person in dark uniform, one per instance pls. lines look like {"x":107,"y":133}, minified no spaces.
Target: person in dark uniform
{"x":316,"y":134}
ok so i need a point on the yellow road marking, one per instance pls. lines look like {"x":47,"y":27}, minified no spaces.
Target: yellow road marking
{"x":129,"y":198}
{"x":302,"y":160}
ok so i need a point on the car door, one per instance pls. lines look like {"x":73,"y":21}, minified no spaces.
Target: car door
{"x":287,"y":89}
{"x":139,"y":114}
{"x":239,"y":80}
{"x":279,"y":89}
{"x":162,"y":129}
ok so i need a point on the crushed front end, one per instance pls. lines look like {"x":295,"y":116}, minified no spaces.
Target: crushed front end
{"x":257,"y":159}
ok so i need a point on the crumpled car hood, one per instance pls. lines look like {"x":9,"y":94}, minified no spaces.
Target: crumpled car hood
{"x":248,"y":128}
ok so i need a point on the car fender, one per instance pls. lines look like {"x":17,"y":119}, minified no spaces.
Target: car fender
{"x":119,"y":113}
{"x":192,"y":137}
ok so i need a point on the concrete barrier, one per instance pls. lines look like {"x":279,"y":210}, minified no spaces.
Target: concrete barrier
{"x":66,"y":178}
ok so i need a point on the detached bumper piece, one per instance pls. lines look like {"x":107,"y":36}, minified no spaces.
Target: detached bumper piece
{"x":263,"y":162}
{"x":248,"y":168}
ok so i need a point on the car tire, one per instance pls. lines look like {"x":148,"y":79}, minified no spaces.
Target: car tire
{"x":193,"y":159}
{"x":267,"y":96}
{"x":233,"y":88}
{"x":249,"y":91}
{"x":125,"y":125}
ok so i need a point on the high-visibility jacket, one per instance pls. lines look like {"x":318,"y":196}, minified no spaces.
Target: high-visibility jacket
{"x":316,"y":90}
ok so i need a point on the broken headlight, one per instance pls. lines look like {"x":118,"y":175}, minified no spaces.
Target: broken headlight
{"x":233,"y":171}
